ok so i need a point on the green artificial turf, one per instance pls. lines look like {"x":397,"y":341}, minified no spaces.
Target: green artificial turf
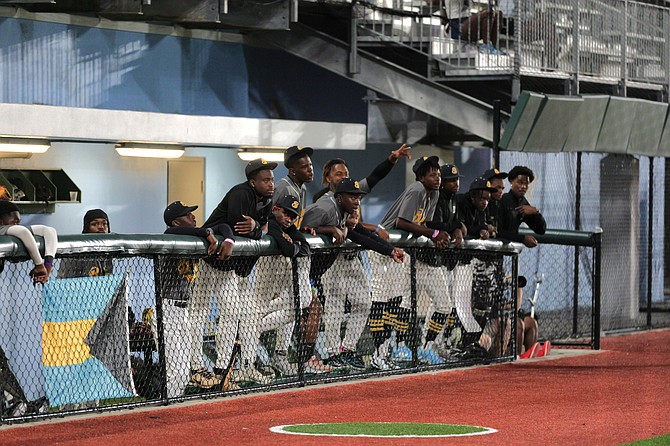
{"x":663,"y":440}
{"x":384,"y":429}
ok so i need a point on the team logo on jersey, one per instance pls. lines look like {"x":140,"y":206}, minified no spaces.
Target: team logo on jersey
{"x":188,"y":269}
{"x":454,"y":170}
{"x":263,"y":161}
{"x":356,"y":185}
{"x":295,"y":205}
{"x":94,"y":271}
{"x":419,"y":216}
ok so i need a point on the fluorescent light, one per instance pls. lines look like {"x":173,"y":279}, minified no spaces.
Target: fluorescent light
{"x":24,"y":146}
{"x":143,"y":151}
{"x":269,"y":156}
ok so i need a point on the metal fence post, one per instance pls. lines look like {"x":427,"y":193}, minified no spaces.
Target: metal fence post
{"x":298,"y":321}
{"x":413,"y":310}
{"x":597,"y":264}
{"x":575,"y":278}
{"x":160,"y":335}
{"x":650,"y":237}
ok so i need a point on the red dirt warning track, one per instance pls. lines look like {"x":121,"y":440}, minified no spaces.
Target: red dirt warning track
{"x":608,"y":398}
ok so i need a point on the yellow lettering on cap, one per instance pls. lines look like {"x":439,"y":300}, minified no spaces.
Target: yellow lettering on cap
{"x":454,"y":170}
{"x":496,"y":171}
{"x":425,"y":158}
{"x":263,"y":161}
{"x":295,"y":205}
{"x":299,"y":148}
{"x":356,"y":185}
{"x":488,"y":184}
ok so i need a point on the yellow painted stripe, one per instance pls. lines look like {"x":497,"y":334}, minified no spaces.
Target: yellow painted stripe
{"x":63,"y":342}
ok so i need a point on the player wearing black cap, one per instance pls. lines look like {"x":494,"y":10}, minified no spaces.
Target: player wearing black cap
{"x":497,"y":179}
{"x":179,"y":278}
{"x":329,"y":217}
{"x":273,"y":284}
{"x":446,"y":218}
{"x":298,"y":161}
{"x":391,"y":285}
{"x":515,"y":209}
{"x":245,"y":208}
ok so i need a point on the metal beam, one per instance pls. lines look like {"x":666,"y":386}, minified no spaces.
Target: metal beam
{"x":384,"y":77}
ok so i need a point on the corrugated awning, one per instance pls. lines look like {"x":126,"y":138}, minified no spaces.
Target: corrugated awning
{"x":598,"y":123}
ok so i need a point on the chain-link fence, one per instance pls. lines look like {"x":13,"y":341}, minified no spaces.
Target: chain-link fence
{"x":136,"y":320}
{"x":621,"y":195}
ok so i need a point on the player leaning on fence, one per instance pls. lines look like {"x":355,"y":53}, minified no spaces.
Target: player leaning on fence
{"x":329,"y":216}
{"x":497,"y":179}
{"x":298,"y":161}
{"x":273,"y":284}
{"x":177,"y":283}
{"x":445,"y":218}
{"x":391,"y":285}
{"x":245,"y":208}
{"x":515,"y":209}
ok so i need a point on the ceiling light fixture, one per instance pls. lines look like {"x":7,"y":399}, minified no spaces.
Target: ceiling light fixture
{"x":149,"y":150}
{"x":268,"y":156}
{"x":24,"y":145}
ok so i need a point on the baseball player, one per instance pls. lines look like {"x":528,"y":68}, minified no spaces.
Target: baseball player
{"x":10,"y":219}
{"x":16,"y":386}
{"x":96,"y":221}
{"x":281,"y":309}
{"x":515,"y":209}
{"x":497,"y":179}
{"x":245,"y":208}
{"x":445,"y":218}
{"x":329,"y":216}
{"x":179,"y":275}
{"x":298,"y":161}
{"x":391,"y":284}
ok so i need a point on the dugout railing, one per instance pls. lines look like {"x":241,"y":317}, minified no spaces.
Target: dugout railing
{"x":146,"y":331}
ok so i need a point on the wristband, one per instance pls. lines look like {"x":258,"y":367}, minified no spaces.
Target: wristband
{"x":209,"y":231}
{"x":379,"y":227}
{"x":229,"y":240}
{"x":436,"y":233}
{"x":49,"y":264}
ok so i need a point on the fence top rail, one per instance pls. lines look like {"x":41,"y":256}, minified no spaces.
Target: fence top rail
{"x":11,"y":247}
{"x":564,"y":237}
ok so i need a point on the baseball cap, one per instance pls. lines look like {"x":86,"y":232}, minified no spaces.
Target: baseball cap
{"x":349,"y":186}
{"x":297,"y":151}
{"x":494,"y":173}
{"x":424,"y":159}
{"x":449,"y":171}
{"x":258,"y":164}
{"x":289,"y":203}
{"x":176,"y":209}
{"x":481,"y":184}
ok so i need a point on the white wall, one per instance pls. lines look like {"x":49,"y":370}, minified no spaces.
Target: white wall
{"x":133,"y":191}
